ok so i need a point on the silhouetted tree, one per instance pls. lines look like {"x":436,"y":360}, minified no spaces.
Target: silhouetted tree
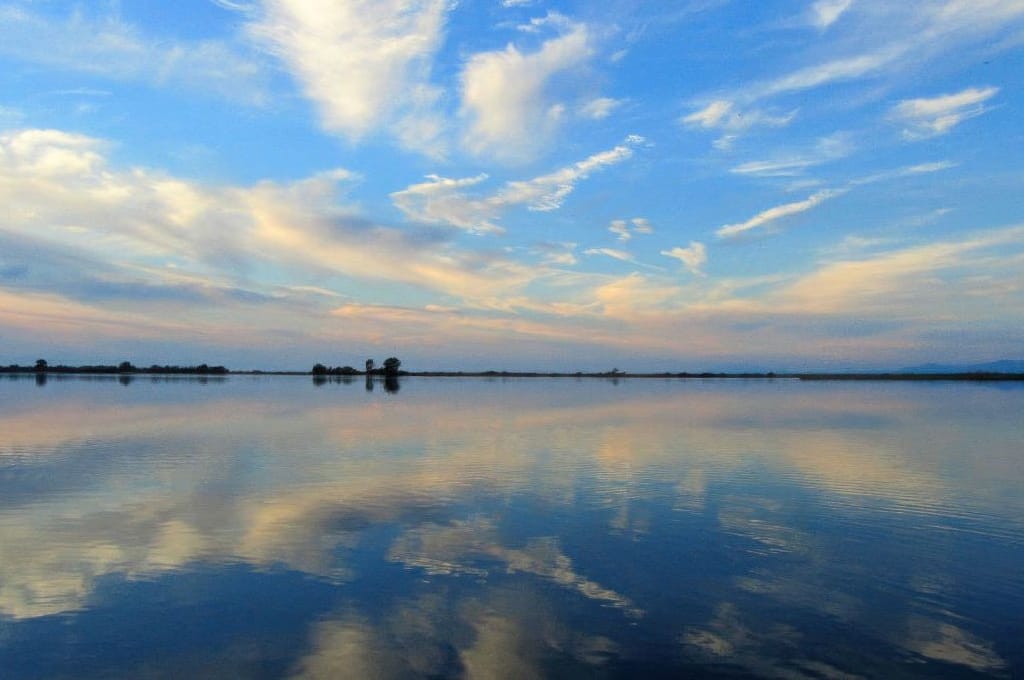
{"x":391,"y":365}
{"x":319,"y":369}
{"x":41,"y":364}
{"x":125,"y":366}
{"x":369,"y":365}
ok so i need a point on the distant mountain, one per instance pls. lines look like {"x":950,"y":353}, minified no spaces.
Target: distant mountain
{"x":1001,"y":366}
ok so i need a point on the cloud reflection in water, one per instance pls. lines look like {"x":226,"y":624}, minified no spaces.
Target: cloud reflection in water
{"x":535,"y":523}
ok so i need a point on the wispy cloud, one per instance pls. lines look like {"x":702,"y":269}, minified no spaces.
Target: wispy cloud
{"x":771,"y":215}
{"x":549,"y":191}
{"x":613,"y":253}
{"x":906,"y":171}
{"x":930,"y":117}
{"x":600,"y":108}
{"x":624,"y":229}
{"x":886,"y":39}
{"x":824,"y":13}
{"x":443,"y":201}
{"x":107,"y":46}
{"x":722,"y":114}
{"x":61,"y":186}
{"x":903,"y":282}
{"x":824,"y":150}
{"x":693,"y":257}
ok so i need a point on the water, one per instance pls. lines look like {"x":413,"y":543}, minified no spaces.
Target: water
{"x":271,"y":527}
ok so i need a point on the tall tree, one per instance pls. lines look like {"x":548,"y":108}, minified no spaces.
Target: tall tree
{"x":391,"y":365}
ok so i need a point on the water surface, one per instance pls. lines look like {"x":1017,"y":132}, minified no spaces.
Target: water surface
{"x":272,"y":527}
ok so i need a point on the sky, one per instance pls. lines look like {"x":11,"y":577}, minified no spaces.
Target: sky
{"x":512,"y":184}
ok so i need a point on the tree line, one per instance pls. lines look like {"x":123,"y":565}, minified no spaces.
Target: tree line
{"x":390,"y":367}
{"x":43,"y":366}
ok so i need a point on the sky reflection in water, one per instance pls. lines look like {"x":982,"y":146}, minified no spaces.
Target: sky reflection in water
{"x":269,"y":527}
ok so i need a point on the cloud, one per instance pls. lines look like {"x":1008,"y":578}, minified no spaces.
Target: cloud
{"x":923,"y":282}
{"x":824,"y":13}
{"x":443,"y":200}
{"x":549,"y":191}
{"x":900,"y":37}
{"x":366,"y":64}
{"x":636,"y":294}
{"x":612,"y":253}
{"x":507,"y":94}
{"x":556,"y":253}
{"x":722,"y":114}
{"x":622,"y":228}
{"x":693,"y":257}
{"x":60,"y":187}
{"x":825,"y":149}
{"x":109,"y":47}
{"x":600,"y":108}
{"x":926,"y":118}
{"x":843,"y":68}
{"x":771,"y":215}
{"x":906,"y":171}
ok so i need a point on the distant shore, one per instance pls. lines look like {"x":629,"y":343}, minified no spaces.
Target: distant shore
{"x":213,"y":371}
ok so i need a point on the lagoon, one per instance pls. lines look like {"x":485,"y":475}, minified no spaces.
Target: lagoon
{"x":270,"y":526}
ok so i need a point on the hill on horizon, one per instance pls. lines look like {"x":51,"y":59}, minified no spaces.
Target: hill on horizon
{"x":999,"y":366}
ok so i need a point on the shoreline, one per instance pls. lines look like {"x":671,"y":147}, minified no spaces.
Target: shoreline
{"x":970,"y":376}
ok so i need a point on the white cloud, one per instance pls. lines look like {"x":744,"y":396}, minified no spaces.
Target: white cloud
{"x":600,"y":108}
{"x":59,"y":188}
{"x":623,"y":230}
{"x":844,"y":68}
{"x":693,"y":257}
{"x":109,"y":47}
{"x":926,"y":117}
{"x":364,"y":63}
{"x":549,"y":191}
{"x":620,"y":229}
{"x":905,"y":281}
{"x":442,"y":200}
{"x":722,"y":114}
{"x":612,"y":253}
{"x":825,"y":149}
{"x":824,"y":13}
{"x":506,"y":99}
{"x":642,"y":226}
{"x":556,"y":253}
{"x":766,"y":217}
{"x":906,"y":171}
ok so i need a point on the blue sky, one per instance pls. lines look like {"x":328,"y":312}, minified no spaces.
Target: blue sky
{"x":688,"y":185}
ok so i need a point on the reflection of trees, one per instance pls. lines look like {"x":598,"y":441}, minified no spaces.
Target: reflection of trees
{"x":391,"y":384}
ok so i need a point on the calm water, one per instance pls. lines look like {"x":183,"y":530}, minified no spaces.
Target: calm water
{"x":269,"y":527}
